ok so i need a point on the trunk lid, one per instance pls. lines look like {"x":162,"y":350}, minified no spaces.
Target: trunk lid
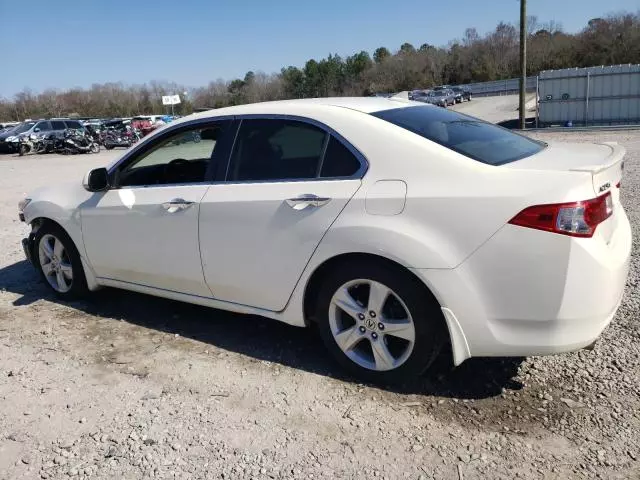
{"x":602,"y":160}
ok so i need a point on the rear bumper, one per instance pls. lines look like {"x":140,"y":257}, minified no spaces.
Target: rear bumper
{"x":527,"y":292}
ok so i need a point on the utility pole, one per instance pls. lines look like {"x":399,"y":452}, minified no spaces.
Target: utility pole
{"x":523,"y":60}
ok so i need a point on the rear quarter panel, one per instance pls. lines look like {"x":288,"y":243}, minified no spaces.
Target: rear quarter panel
{"x":453,"y":204}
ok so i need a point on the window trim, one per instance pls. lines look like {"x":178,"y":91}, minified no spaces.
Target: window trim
{"x":358,"y":175}
{"x":171,"y":130}
{"x":234,"y":129}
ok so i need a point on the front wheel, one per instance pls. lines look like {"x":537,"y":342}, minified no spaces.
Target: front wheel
{"x":377,"y":322}
{"x":58,"y":262}
{"x":22,"y":150}
{"x":95,"y":148}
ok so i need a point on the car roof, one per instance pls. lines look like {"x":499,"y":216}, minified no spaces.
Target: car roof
{"x":284,"y":107}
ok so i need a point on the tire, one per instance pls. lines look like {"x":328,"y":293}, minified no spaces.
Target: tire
{"x":95,"y":148}
{"x":67,"y":278}
{"x":408,"y":351}
{"x":109,"y":147}
{"x":22,"y":150}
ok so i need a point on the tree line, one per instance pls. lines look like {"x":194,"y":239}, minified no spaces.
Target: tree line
{"x":614,"y":39}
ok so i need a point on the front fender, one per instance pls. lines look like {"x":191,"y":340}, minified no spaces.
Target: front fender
{"x":62,"y":205}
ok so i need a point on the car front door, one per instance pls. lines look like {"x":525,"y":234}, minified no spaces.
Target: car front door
{"x":286,"y":183}
{"x":144,"y":230}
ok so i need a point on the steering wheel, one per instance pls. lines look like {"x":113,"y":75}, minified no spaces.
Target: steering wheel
{"x":176,"y":170}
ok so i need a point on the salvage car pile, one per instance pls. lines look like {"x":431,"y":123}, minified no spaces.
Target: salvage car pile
{"x":69,"y":136}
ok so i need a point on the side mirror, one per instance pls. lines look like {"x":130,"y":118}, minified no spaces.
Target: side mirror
{"x":37,"y":129}
{"x":97,"y":180}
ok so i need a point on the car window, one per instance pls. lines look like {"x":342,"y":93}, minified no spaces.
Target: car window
{"x":338,"y":161}
{"x":269,"y":149}
{"x":23,"y":127}
{"x":73,"y":124}
{"x":58,"y":125}
{"x":476,"y":139}
{"x":180,"y":158}
{"x":43,"y":126}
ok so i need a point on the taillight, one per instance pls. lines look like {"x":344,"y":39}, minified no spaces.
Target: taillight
{"x":577,"y":219}
{"x":618,"y":184}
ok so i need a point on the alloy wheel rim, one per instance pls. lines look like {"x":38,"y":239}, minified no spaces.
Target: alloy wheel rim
{"x":55,"y":263}
{"x":372,"y":325}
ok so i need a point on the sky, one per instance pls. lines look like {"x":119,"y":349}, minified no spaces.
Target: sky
{"x":71,"y":43}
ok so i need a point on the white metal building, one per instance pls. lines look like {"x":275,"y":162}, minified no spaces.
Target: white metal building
{"x":607,"y":95}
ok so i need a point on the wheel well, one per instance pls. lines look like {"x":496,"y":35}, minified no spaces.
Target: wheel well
{"x":317,"y":277}
{"x":37,"y":223}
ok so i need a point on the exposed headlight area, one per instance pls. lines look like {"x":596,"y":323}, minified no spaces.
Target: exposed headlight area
{"x":21,"y":206}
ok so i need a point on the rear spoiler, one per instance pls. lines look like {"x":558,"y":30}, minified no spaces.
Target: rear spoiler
{"x":616,"y":156}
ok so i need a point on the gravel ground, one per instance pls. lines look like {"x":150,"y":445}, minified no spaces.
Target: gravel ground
{"x":124,"y":385}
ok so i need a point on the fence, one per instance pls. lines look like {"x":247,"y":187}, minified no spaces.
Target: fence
{"x":607,"y":95}
{"x":500,"y":87}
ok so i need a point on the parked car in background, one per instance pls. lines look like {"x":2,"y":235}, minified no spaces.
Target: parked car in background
{"x":461,"y":94}
{"x":7,"y":143}
{"x":441,"y":98}
{"x":7,"y":125}
{"x":396,"y":227}
{"x":41,"y":128}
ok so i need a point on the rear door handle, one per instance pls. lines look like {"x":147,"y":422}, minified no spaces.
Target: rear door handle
{"x":176,"y":204}
{"x":307,"y":200}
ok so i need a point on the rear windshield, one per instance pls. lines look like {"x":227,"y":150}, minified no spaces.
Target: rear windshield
{"x":481,"y":141}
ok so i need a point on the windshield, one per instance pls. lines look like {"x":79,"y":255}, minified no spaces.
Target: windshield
{"x":476,"y":139}
{"x":440,"y":93}
{"x":23,"y":127}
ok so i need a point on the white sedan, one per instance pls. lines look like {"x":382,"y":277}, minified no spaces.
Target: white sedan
{"x":396,"y":226}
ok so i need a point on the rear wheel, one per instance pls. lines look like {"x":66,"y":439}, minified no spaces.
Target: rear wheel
{"x":377,"y":322}
{"x":95,"y":148}
{"x":58,"y":262}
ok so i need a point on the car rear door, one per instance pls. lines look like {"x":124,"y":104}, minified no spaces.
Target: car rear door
{"x":58,"y":126}
{"x":286,"y":182}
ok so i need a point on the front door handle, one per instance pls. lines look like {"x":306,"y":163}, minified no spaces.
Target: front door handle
{"x":307,"y":200}
{"x":176,"y":204}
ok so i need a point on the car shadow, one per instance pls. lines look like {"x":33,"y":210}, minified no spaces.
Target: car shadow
{"x":262,"y":338}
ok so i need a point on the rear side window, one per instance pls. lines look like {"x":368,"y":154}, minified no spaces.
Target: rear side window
{"x":276,"y":150}
{"x":73,"y":124}
{"x":338,"y":161}
{"x":57,"y":125}
{"x":44,"y":126}
{"x":481,"y":141}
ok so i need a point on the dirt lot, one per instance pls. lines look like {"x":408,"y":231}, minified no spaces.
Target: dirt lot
{"x":124,"y":385}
